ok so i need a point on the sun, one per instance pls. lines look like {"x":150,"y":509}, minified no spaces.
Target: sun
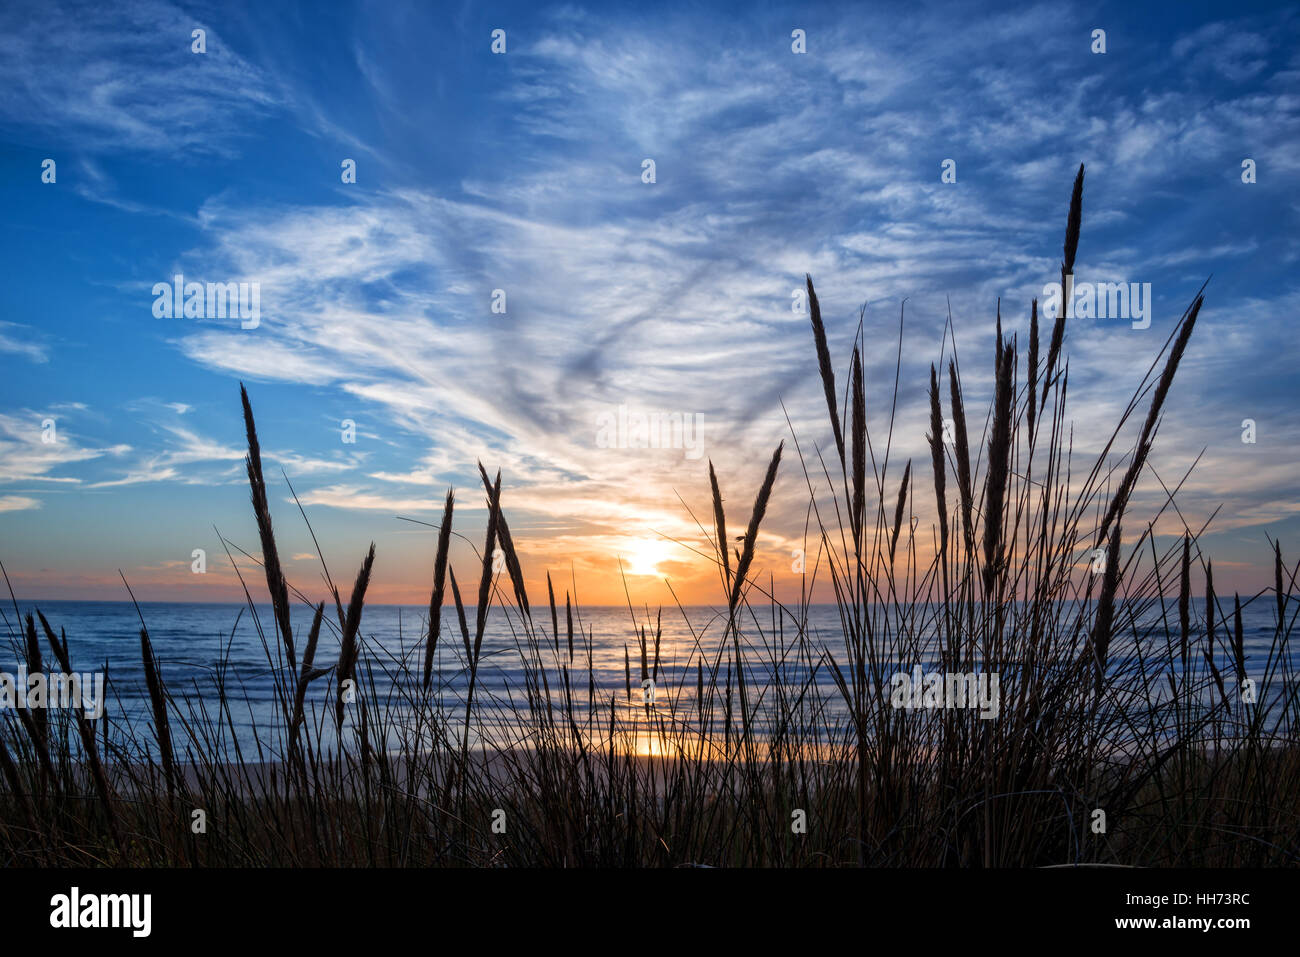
{"x":643,"y":555}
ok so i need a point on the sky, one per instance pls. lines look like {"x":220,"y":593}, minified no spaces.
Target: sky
{"x":501,"y":279}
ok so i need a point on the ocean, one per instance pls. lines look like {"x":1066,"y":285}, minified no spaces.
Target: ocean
{"x":196,"y":644}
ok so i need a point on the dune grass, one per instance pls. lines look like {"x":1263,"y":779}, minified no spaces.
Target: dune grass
{"x":1114,"y":695}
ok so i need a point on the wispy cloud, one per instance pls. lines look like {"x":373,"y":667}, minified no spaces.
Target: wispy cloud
{"x":676,"y":296}
{"x":34,"y":446}
{"x":18,"y":503}
{"x":13,"y":339}
{"x":125,"y":77}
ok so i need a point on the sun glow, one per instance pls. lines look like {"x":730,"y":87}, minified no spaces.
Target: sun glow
{"x":652,"y":746}
{"x":642,"y":556}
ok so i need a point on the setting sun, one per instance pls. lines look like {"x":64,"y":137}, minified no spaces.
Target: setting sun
{"x":642,"y":556}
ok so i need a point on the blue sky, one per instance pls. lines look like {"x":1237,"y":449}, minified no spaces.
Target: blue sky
{"x":523,"y":172}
